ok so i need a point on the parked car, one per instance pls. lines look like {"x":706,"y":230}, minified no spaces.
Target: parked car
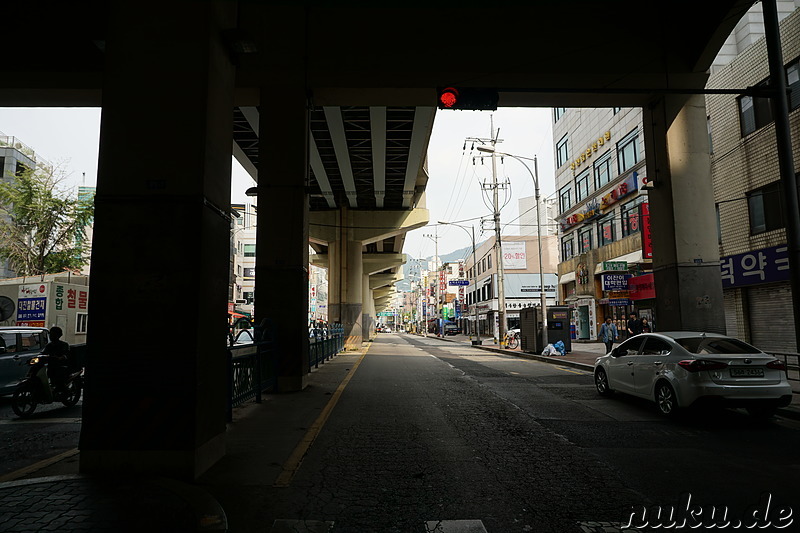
{"x":682,"y":368}
{"x":17,"y":346}
{"x":451,"y":329}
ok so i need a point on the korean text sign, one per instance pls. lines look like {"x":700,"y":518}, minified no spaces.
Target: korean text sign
{"x":766,"y":265}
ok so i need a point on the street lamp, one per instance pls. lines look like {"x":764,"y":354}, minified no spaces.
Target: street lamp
{"x":535,"y":177}
{"x":474,"y":279}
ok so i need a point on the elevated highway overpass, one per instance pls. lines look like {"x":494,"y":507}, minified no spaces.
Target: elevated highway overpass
{"x":330,"y":108}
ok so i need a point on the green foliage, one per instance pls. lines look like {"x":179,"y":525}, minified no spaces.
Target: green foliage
{"x":42,"y":229}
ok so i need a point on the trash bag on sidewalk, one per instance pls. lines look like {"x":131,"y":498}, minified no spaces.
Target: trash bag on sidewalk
{"x":549,"y":350}
{"x":559,"y":346}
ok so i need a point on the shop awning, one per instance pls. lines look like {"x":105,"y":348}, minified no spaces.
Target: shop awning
{"x":236,"y":315}
{"x":635,"y":257}
{"x":566,"y":278}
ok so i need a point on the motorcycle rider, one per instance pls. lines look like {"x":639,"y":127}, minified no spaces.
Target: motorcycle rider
{"x":58,"y":359}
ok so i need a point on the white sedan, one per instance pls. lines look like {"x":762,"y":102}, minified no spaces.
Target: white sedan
{"x":681,"y":368}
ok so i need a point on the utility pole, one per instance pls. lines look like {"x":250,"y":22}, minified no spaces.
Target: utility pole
{"x":498,"y":243}
{"x":435,"y":239}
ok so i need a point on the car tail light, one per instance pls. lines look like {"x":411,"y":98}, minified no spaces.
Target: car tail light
{"x":776,"y":365}
{"x":696,"y":365}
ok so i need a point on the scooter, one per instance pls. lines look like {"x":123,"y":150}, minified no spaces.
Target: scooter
{"x":36,"y":389}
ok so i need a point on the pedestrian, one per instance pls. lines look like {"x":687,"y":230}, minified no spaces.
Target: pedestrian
{"x":608,"y":334}
{"x":634,"y":325}
{"x":646,"y":327}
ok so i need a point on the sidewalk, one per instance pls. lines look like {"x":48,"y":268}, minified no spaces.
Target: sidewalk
{"x":53,"y":496}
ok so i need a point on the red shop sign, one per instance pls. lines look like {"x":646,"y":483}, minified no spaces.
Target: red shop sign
{"x":641,"y":287}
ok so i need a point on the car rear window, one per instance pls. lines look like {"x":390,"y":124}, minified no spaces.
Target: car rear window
{"x":703,"y":345}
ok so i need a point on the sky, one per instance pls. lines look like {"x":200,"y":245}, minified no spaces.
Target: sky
{"x":454,"y":191}
{"x":70,"y":136}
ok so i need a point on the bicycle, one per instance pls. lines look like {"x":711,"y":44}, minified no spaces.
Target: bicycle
{"x":512,"y":340}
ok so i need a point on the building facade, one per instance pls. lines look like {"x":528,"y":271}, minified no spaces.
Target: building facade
{"x":521,"y":281}
{"x":15,"y":156}
{"x":548,"y":210}
{"x":747,"y":189}
{"x":243,"y":260}
{"x":603,"y":217}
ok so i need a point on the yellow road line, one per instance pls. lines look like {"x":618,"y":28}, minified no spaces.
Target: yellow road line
{"x":22,"y":472}
{"x":292,"y":465}
{"x":572,"y":371}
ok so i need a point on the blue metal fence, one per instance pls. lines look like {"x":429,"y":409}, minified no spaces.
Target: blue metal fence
{"x":253,"y":368}
{"x":324,"y":343}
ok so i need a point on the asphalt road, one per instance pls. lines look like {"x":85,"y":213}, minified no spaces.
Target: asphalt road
{"x":53,"y":429}
{"x":431,"y":434}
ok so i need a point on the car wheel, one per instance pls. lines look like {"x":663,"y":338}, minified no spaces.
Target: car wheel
{"x":23,"y":402}
{"x":762,"y":413}
{"x":666,"y":401}
{"x":601,"y":382}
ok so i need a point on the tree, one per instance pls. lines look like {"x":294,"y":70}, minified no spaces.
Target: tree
{"x":42,"y":229}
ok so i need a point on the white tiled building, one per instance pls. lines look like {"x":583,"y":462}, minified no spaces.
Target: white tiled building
{"x":747,"y":189}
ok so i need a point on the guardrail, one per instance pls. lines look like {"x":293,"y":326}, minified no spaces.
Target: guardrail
{"x":324,"y":343}
{"x":252,"y":369}
{"x":792,"y":368}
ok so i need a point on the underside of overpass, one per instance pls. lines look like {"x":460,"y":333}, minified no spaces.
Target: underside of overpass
{"x":330,"y":108}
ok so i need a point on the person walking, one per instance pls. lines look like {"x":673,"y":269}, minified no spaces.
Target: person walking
{"x":608,"y":334}
{"x":646,"y":327}
{"x":634,"y":326}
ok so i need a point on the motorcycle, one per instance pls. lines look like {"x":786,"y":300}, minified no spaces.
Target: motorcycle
{"x":36,"y":389}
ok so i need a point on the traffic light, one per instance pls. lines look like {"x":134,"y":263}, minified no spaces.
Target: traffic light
{"x":473,"y":98}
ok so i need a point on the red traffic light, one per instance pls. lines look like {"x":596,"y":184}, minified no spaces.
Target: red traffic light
{"x":472,"y":98}
{"x":448,"y":98}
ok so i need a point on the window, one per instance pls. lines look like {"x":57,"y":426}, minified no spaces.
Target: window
{"x":249,"y":250}
{"x":703,"y":345}
{"x":566,"y":248}
{"x":630,"y":216}
{"x":564,"y":198}
{"x":654,"y":346}
{"x":249,"y":297}
{"x":585,"y":240}
{"x":616,"y":109}
{"x":582,"y":186}
{"x":605,"y":229}
{"x":30,"y":341}
{"x":602,"y":170}
{"x":558,"y":112}
{"x":562,"y":152}
{"x":793,"y":80}
{"x":628,"y":348}
{"x":719,"y":225}
{"x":81,"y":322}
{"x":628,"y":151}
{"x":765,"y":207}
{"x":754,"y":113}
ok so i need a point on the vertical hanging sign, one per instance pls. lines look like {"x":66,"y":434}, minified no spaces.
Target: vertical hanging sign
{"x":647,"y":243}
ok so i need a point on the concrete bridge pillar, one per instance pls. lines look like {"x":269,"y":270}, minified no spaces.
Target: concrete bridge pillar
{"x":345,"y":287}
{"x":682,"y":216}
{"x":154,"y":404}
{"x":281,"y":291}
{"x":368,"y":315}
